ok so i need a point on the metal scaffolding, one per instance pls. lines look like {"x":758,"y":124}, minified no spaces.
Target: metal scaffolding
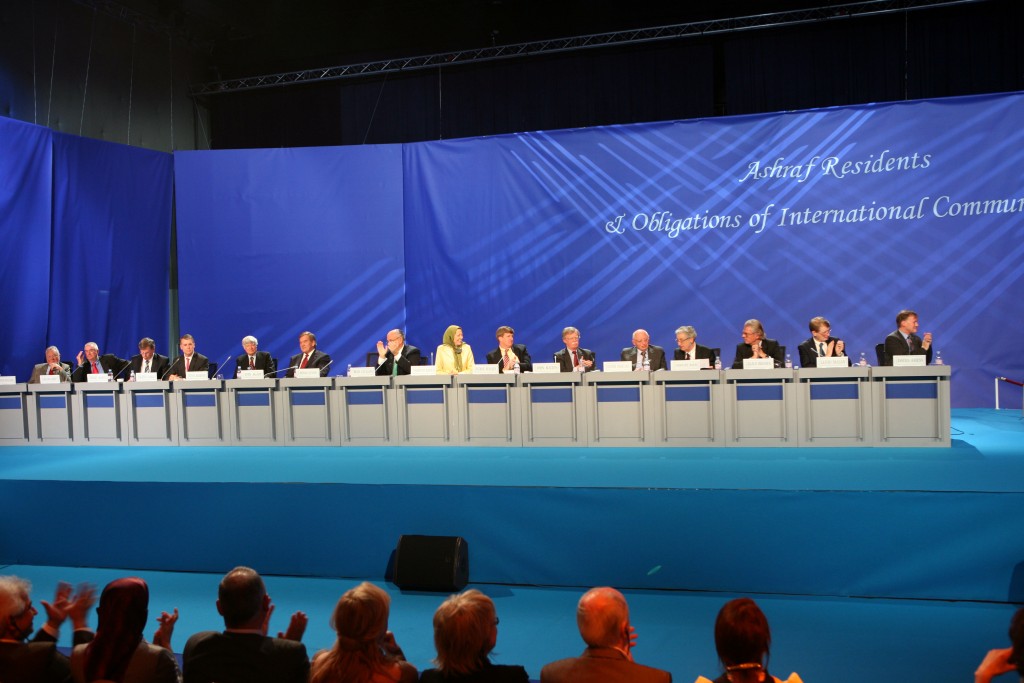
{"x":546,"y":47}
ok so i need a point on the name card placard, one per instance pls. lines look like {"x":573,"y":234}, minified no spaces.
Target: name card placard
{"x":49,"y":379}
{"x":197,"y":376}
{"x":692,"y":364}
{"x":617,"y":366}
{"x":909,"y":361}
{"x":94,"y":377}
{"x":547,"y":368}
{"x":424,"y":370}
{"x":307,"y":373}
{"x":146,"y":377}
{"x":758,"y":364}
{"x":362,"y":372}
{"x":8,"y":379}
{"x":250,"y":374}
{"x":485,"y":369}
{"x":832,"y":362}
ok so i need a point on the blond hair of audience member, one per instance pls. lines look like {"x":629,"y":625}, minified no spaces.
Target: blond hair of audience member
{"x":365,"y":651}
{"x":465,"y":631}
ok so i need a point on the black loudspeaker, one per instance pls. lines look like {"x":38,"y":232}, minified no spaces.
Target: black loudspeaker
{"x":432,"y":563}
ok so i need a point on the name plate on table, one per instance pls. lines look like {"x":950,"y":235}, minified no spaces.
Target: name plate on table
{"x":618,"y":366}
{"x":362,"y":372}
{"x":146,"y":377}
{"x":94,"y":377}
{"x":8,"y":379}
{"x":758,"y":364}
{"x":424,"y":370}
{"x":692,"y":364}
{"x":547,"y":368}
{"x":49,"y":379}
{"x":832,"y":362}
{"x":486,"y":369}
{"x":909,"y":361}
{"x":307,"y":373}
{"x":250,"y":374}
{"x":197,"y":375}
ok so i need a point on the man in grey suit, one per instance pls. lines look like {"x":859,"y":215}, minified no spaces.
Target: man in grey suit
{"x":642,"y":352}
{"x":603,"y":619}
{"x":243,"y":653}
{"x":52,"y":366}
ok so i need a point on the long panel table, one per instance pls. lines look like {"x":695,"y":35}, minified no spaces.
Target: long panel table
{"x":809,"y":408}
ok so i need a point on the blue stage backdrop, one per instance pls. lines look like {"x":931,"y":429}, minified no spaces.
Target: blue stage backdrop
{"x":111,"y":231}
{"x":274,"y":242}
{"x":852,"y":213}
{"x":26,"y":164}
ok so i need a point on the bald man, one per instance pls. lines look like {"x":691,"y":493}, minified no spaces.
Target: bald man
{"x":642,"y":350}
{"x":603,"y":619}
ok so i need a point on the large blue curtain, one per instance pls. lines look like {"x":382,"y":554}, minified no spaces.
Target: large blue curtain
{"x":25,"y":169}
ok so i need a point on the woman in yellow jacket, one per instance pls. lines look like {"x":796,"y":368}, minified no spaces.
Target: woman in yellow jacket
{"x":453,"y":357}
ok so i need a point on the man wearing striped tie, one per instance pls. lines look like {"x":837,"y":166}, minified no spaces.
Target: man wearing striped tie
{"x":509,"y":353}
{"x":148,"y":360}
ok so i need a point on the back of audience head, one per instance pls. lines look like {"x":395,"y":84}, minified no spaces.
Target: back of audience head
{"x":465,"y":632}
{"x":743,"y":640}
{"x":361,"y":621}
{"x":242,"y":599}
{"x":14,"y":602}
{"x":121,"y":618}
{"x":602,"y":616}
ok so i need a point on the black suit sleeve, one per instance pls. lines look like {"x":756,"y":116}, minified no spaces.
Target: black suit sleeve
{"x":808,"y":356}
{"x":525,"y":362}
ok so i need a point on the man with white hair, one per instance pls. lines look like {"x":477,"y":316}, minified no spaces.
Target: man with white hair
{"x":603,"y":619}
{"x":52,"y":366}
{"x":254,"y":359}
{"x":91,"y":362}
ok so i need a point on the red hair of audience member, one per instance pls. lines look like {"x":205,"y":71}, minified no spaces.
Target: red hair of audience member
{"x":361,"y":621}
{"x":122,"y":615}
{"x":743,"y":639}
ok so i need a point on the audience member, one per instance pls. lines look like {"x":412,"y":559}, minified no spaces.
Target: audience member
{"x":743,"y":641}
{"x":38,"y":660}
{"x":453,"y":356}
{"x":118,"y":652}
{"x":365,"y":651}
{"x":244,"y":653}
{"x":465,"y":631}
{"x":1004,"y":660}
{"x":603,"y":619}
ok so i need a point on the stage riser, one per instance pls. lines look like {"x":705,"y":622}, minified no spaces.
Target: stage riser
{"x":956,"y":546}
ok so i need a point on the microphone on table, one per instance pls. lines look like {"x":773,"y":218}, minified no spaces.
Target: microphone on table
{"x":268,"y":374}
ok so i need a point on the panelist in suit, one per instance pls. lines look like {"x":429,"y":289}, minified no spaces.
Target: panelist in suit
{"x":509,"y":353}
{"x":253,"y":358}
{"x":821,"y":344}
{"x":38,"y":660}
{"x":242,"y":653}
{"x":603,"y":619}
{"x":397,"y":358}
{"x":311,"y":357}
{"x":91,"y":362}
{"x":453,"y":357}
{"x":52,"y":366}
{"x":689,"y":349}
{"x":572,"y":357}
{"x":903,"y":341}
{"x":189,"y":360}
{"x":148,"y":360}
{"x":642,"y":351}
{"x":755,"y":345}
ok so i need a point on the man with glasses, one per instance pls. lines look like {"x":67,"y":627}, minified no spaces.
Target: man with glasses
{"x":756,"y":345}
{"x":254,"y":359}
{"x":397,"y":358}
{"x":689,"y":349}
{"x":572,"y":358}
{"x":821,"y":344}
{"x":52,"y":366}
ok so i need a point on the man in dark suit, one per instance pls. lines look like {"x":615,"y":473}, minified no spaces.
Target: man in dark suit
{"x":821,"y":344}
{"x":242,"y":653}
{"x":91,"y":362}
{"x":148,"y":360}
{"x":254,"y":359}
{"x":689,"y":349}
{"x":509,"y":353}
{"x":38,"y":660}
{"x":903,"y":341}
{"x":603,"y":619}
{"x":311,"y":357}
{"x":755,"y":345}
{"x":52,"y":366}
{"x":188,"y":361}
{"x":397,"y":358}
{"x":642,"y":352}
{"x":572,"y":357}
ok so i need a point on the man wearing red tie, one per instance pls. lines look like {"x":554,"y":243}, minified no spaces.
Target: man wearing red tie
{"x":90,"y":362}
{"x":52,"y":366}
{"x":311,"y":357}
{"x":189,"y":360}
{"x":254,"y":359}
{"x":572,"y":358}
{"x":508,"y":353}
